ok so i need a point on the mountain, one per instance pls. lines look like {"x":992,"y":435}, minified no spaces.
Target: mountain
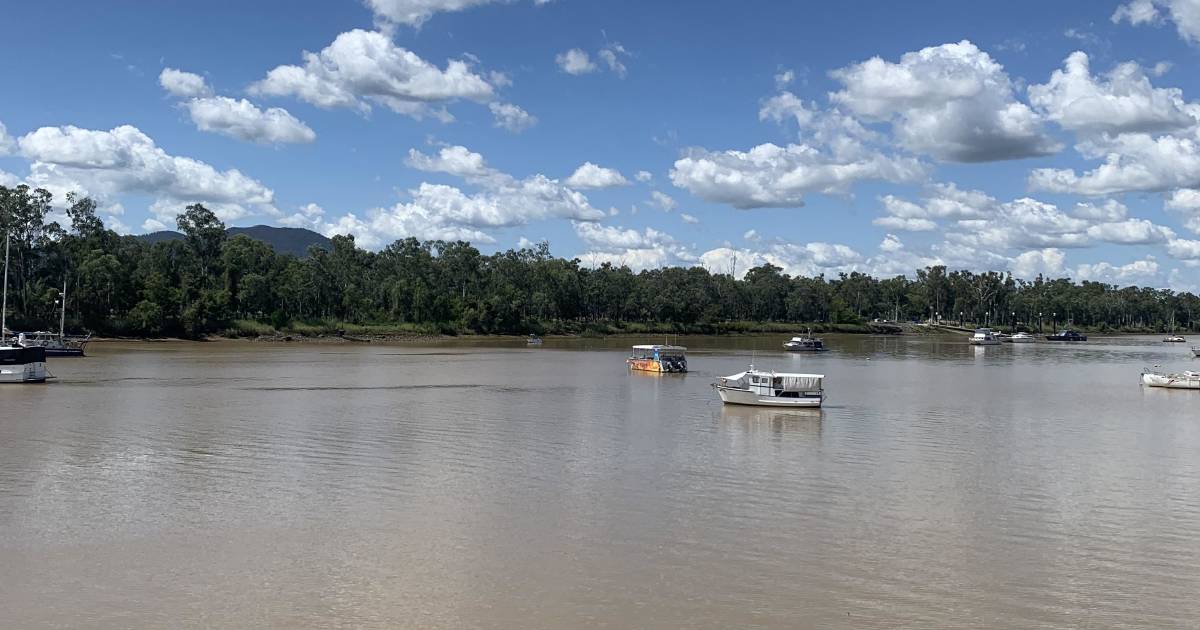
{"x":283,"y":240}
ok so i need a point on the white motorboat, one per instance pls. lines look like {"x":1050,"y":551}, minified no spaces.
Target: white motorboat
{"x":771,"y":389}
{"x":804,"y":343}
{"x":1196,"y":351}
{"x":1022,"y":337}
{"x":983,"y":337}
{"x":1179,"y":380}
{"x":1174,"y":339}
{"x":17,"y":364}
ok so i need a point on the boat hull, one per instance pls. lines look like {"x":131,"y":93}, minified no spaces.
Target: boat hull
{"x":655,"y":365}
{"x":1170,"y":381}
{"x":735,"y":396}
{"x":984,"y":342}
{"x":23,"y":365}
{"x":64,"y":352}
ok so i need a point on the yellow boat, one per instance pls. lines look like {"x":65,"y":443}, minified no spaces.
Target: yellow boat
{"x":658,"y":359}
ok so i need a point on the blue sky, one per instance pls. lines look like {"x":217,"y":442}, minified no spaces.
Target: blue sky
{"x":1057,"y":138}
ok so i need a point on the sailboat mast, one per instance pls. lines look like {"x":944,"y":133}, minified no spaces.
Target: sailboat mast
{"x":4,"y":303}
{"x":62,"y":317}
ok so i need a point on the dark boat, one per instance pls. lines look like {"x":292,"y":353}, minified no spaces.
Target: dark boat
{"x":59,"y":345}
{"x":1067,"y":335}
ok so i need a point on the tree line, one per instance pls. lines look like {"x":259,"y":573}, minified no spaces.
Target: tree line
{"x":209,"y":283}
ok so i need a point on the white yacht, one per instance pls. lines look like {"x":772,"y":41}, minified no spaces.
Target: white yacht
{"x":984,"y":337}
{"x":1174,"y":339}
{"x":1022,"y":337}
{"x":17,"y":364}
{"x":771,"y":389}
{"x":1181,"y":380}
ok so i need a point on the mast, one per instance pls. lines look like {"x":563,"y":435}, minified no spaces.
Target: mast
{"x":4,"y":303}
{"x":62,"y":317}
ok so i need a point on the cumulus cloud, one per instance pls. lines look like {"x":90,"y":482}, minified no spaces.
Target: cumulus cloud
{"x":512,"y":118}
{"x":242,"y":120}
{"x":183,"y":84}
{"x":643,"y":176}
{"x":106,"y":164}
{"x":1132,"y":162}
{"x":687,"y":218}
{"x":1120,"y":102}
{"x":942,"y":201}
{"x":611,"y":55}
{"x":575,"y":62}
{"x":953,"y":102}
{"x":663,"y":201}
{"x":439,"y":211}
{"x":307,"y":216}
{"x":1110,"y":210}
{"x":1131,"y":232}
{"x":796,"y":259}
{"x":619,"y":246}
{"x":1186,"y":202}
{"x":1138,"y":272}
{"x":361,"y":68}
{"x":772,"y":176}
{"x":1048,"y":262}
{"x":7,"y":144}
{"x":1184,"y":13}
{"x":417,"y":12}
{"x":785,"y":106}
{"x":590,"y":175}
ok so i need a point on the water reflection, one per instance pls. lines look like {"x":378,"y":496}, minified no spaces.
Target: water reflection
{"x":753,"y":419}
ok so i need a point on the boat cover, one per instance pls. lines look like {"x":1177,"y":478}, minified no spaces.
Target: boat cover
{"x":801,"y":383}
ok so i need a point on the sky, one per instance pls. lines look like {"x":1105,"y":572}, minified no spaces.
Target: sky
{"x":1057,"y":138}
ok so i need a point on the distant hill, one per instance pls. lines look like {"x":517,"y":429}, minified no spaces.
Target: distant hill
{"x":283,"y":240}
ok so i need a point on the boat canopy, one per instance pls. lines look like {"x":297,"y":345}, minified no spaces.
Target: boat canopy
{"x":786,"y":381}
{"x":661,"y":348}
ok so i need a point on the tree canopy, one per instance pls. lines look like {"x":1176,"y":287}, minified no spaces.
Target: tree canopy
{"x":206,"y":281}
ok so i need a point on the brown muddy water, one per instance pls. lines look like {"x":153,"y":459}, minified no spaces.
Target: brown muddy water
{"x":490,"y":485}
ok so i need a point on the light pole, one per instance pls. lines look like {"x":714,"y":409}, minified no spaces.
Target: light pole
{"x":1040,"y":329}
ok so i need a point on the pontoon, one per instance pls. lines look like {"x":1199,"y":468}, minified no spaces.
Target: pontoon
{"x":654,"y":358}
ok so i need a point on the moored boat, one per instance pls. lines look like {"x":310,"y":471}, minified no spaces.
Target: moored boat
{"x":771,"y":389}
{"x":1174,"y":339}
{"x":983,"y":337}
{"x":656,"y":358}
{"x":59,"y":345}
{"x":1179,"y":380}
{"x":804,"y":343}
{"x":1022,"y":337}
{"x":23,"y":365}
{"x":533,"y":340}
{"x":1067,"y":335}
{"x":1196,"y":351}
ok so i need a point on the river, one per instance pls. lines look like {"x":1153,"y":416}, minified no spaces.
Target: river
{"x":484,"y":484}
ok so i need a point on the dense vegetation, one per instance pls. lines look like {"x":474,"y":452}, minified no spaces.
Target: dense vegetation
{"x":209,"y":282}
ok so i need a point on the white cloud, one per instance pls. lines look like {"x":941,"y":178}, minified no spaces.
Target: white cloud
{"x":1132,"y":162}
{"x":786,"y":105}
{"x":361,"y":68}
{"x":663,"y":201}
{"x":106,"y":164}
{"x":590,"y":175}
{"x":8,"y":179}
{"x":1184,"y":249}
{"x":643,"y":176}
{"x":576,"y":62}
{"x":942,"y":201}
{"x":510,"y":117}
{"x":772,"y":176}
{"x":241,"y":119}
{"x":417,"y":12}
{"x":611,"y":55}
{"x":1110,"y":210}
{"x":183,"y":84}
{"x":687,"y":218}
{"x":1022,"y":224}
{"x":1123,"y":101}
{"x":1186,"y":202}
{"x":7,"y":144}
{"x":1184,"y":13}
{"x":783,"y":79}
{"x":891,"y":243}
{"x":1047,"y":262}
{"x":438,"y":211}
{"x":953,"y":102}
{"x":905,"y":225}
{"x":647,"y":249}
{"x":796,"y":259}
{"x":1138,"y":272}
{"x":1131,"y":232}
{"x":307,"y":216}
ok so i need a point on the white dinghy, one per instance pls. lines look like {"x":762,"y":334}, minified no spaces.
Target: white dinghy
{"x":771,"y":389}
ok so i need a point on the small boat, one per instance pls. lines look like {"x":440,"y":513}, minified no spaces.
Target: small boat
{"x":1180,"y":380}
{"x":1066,"y":335}
{"x":771,"y":389}
{"x":1174,"y":339}
{"x":533,"y":340}
{"x":59,"y":345}
{"x":655,"y":358}
{"x":804,"y":343}
{"x":1022,"y":337}
{"x":983,"y":337}
{"x":1196,"y":351}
